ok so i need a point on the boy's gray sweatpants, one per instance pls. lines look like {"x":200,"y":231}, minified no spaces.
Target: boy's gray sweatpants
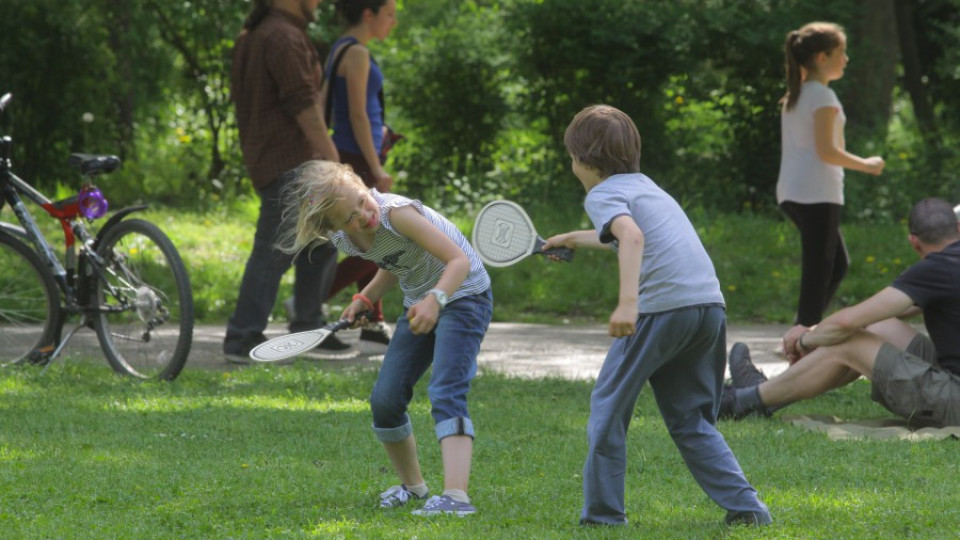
{"x":683,"y":354}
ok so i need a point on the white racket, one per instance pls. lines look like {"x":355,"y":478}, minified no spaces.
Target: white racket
{"x":283,"y":347}
{"x":503,"y":235}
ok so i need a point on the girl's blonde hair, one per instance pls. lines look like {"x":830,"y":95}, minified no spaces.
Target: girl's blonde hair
{"x":800,"y":49}
{"x":307,"y":201}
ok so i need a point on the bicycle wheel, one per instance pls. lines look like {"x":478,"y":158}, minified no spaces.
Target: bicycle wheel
{"x":143,"y":301}
{"x":29,"y":303}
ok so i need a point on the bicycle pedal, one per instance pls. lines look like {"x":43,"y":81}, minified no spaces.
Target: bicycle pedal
{"x":41,"y":356}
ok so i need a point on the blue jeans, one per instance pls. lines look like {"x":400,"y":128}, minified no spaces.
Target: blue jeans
{"x":265,"y":268}
{"x":682,"y":353}
{"x":452,"y":348}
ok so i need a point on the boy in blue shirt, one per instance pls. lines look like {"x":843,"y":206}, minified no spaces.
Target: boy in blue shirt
{"x":670,"y":324}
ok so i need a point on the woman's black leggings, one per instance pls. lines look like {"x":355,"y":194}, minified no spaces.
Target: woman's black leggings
{"x":824,"y":255}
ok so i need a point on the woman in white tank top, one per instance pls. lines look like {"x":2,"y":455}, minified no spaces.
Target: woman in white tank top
{"x":813,"y":157}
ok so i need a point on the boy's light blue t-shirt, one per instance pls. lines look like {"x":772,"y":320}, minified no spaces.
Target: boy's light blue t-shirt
{"x":676,"y":271}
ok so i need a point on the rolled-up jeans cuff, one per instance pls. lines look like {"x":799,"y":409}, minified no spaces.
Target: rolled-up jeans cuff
{"x":455,"y":426}
{"x":392,"y":435}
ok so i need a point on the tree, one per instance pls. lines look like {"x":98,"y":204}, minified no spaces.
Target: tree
{"x":202,"y":33}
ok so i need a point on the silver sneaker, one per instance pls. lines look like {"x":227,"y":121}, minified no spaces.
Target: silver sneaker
{"x":398,"y":496}
{"x":445,"y":505}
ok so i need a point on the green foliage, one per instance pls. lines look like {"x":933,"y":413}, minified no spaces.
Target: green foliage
{"x":449,"y":81}
{"x":80,"y":72}
{"x":287,"y":452}
{"x":63,"y":49}
{"x":573,"y":53}
{"x":483,"y":90}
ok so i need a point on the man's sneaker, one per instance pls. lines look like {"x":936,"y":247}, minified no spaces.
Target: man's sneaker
{"x":398,"y":496}
{"x":238,"y":351}
{"x":333,"y":343}
{"x":729,"y":407}
{"x":375,"y":338}
{"x":445,"y":505}
{"x":728,"y":402}
{"x":752,"y":519}
{"x":742,"y":370}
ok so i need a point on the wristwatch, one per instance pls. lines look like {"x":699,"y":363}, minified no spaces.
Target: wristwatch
{"x":441,"y":297}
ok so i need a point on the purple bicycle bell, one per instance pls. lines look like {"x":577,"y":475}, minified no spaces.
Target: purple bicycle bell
{"x":92,"y":203}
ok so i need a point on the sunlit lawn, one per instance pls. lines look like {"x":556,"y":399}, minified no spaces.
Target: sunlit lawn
{"x":288,"y":452}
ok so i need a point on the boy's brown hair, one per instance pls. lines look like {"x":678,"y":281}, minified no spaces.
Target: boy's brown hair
{"x":604,"y":138}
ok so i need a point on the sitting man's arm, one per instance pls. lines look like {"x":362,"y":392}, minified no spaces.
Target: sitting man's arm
{"x":911,"y":311}
{"x":837,"y":328}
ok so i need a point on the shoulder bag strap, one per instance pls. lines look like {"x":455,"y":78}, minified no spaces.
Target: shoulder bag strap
{"x":328,"y":106}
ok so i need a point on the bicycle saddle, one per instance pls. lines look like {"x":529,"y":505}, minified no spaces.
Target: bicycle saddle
{"x":91,"y":165}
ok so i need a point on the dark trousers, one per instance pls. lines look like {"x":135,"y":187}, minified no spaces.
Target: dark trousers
{"x":265,"y":268}
{"x":824,"y":255}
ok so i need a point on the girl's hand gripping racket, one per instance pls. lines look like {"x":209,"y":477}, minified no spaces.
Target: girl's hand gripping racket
{"x":503,"y":235}
{"x":283,"y":347}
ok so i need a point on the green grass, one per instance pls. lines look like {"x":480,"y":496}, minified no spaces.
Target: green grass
{"x":288,"y":453}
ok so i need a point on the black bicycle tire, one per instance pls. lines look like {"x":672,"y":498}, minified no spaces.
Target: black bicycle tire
{"x":48,"y":336}
{"x":181,"y":351}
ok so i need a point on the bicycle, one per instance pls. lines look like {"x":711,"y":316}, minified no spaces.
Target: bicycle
{"x":127,"y":282}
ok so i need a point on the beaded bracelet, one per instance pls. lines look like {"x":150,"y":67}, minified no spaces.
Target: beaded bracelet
{"x":362,"y":297}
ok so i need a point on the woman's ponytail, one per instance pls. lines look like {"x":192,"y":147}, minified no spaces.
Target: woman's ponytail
{"x":792,"y":67}
{"x":800,"y":49}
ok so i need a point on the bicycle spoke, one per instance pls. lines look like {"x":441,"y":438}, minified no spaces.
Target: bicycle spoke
{"x":144,"y":316}
{"x":29,"y":302}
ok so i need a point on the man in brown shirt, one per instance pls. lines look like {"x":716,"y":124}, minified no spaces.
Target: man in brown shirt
{"x":275,"y":86}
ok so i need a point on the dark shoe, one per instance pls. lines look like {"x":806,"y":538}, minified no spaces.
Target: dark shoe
{"x":333,"y":343}
{"x":751,"y":519}
{"x":742,"y":370}
{"x":727,"y":402}
{"x":375,"y":338}
{"x":237,"y":351}
{"x":732,"y":407}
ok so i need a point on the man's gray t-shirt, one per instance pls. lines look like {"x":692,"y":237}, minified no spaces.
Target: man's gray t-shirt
{"x":676,"y":271}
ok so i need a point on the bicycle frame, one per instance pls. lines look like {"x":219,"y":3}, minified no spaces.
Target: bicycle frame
{"x":93,"y":277}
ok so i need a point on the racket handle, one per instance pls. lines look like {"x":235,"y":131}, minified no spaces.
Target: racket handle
{"x":344,"y":323}
{"x":562,"y":253}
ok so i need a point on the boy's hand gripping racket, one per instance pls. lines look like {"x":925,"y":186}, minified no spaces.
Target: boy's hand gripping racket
{"x":283,"y":347}
{"x":503,"y":235}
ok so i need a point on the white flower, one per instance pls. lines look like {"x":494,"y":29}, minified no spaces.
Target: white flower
{"x":87,"y":117}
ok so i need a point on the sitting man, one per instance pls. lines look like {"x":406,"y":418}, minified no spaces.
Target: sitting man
{"x":912,"y":375}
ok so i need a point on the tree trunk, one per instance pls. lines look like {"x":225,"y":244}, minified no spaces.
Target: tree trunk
{"x":123,"y":92}
{"x":912,"y":70}
{"x":871,"y":74}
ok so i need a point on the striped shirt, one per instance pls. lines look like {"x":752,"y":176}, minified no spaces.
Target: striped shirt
{"x":416,"y":268}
